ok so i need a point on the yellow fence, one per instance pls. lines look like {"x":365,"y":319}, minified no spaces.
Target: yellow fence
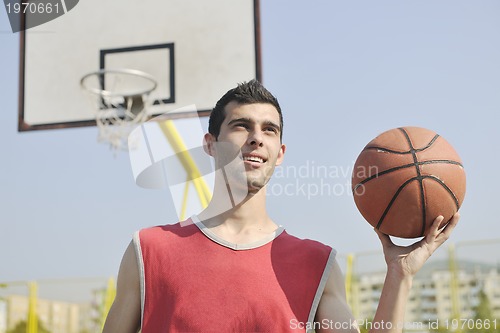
{"x":55,"y":306}
{"x":458,"y":290}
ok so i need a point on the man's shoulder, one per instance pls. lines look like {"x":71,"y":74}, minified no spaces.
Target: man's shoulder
{"x":295,"y":243}
{"x":182,"y":229}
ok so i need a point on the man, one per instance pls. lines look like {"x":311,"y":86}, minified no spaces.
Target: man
{"x":232,"y":268}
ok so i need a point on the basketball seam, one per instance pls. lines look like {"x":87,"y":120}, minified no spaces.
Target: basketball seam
{"x":378,"y":174}
{"x":419,"y":178}
{"x":439,"y":181}
{"x":436,"y":179}
{"x":449,"y":190}
{"x":394,"y":197}
{"x":403,"y":152}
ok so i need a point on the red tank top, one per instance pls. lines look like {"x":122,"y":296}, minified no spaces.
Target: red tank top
{"x":193,"y":281}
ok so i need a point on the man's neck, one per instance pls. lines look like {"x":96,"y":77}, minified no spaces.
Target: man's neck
{"x":243,"y":223}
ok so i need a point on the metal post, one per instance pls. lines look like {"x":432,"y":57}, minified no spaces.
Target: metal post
{"x":109,"y":297}
{"x":348,"y":278}
{"x":185,"y":199}
{"x":32,"y":322}
{"x":175,"y":140}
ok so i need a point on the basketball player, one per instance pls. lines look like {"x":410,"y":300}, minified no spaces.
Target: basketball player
{"x":232,"y":268}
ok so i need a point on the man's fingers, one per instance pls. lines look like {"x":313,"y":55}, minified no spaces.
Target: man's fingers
{"x":437,"y":223}
{"x":433,"y":232}
{"x":445,"y":233}
{"x":385,"y":239}
{"x":439,"y":236}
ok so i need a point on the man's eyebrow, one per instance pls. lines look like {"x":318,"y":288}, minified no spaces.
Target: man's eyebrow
{"x":248,"y":121}
{"x":272,"y":124}
{"x":242,"y":120}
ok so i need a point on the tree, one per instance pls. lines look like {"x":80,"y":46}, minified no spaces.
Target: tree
{"x":483,"y":317}
{"x":440,"y":329}
{"x":21,"y":328}
{"x":366,"y":324}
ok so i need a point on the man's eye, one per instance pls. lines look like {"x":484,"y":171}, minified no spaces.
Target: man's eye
{"x":241,"y":125}
{"x":272,"y":129}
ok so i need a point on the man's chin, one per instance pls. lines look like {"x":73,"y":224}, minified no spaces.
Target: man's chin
{"x":253,"y":190}
{"x":256,"y":185}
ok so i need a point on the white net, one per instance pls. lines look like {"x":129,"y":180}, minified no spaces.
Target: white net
{"x":120,"y":101}
{"x":118,"y":119}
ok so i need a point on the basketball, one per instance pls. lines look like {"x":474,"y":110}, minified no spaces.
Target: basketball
{"x":405,"y":178}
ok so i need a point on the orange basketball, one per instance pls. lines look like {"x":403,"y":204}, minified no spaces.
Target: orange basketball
{"x":405,"y":178}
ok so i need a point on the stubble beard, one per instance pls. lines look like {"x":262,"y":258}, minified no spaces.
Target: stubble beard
{"x":256,"y":182}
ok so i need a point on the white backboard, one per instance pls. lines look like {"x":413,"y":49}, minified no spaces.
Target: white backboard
{"x":196,"y":50}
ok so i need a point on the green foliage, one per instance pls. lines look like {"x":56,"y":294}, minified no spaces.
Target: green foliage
{"x":365,"y":328}
{"x":482,"y":322}
{"x":483,"y":315}
{"x":440,"y":329}
{"x":21,"y":328}
{"x":483,"y":309}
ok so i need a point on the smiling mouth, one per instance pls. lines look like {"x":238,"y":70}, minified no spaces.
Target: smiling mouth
{"x":253,"y":159}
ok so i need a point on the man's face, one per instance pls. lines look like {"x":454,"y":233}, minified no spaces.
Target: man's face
{"x":253,"y":129}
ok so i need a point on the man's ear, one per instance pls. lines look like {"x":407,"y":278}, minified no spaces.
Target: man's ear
{"x":281,"y":155}
{"x":208,"y":144}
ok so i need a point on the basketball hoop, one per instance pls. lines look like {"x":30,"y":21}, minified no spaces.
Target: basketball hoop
{"x":121,"y":98}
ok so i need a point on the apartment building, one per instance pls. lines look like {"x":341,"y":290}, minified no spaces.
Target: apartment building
{"x":431,"y":298}
{"x":55,"y":316}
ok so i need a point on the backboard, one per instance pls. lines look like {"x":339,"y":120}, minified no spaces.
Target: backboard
{"x":196,"y":50}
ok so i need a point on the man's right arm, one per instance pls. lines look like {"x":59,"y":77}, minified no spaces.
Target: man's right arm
{"x":125,"y":314}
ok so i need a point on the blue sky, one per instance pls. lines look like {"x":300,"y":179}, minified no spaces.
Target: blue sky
{"x":344,"y":71}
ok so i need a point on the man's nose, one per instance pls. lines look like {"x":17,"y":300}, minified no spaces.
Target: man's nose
{"x":255,"y":138}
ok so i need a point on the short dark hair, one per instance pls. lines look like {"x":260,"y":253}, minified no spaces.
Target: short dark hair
{"x":245,"y":93}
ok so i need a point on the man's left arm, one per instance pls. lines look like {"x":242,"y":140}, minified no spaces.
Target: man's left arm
{"x":402,"y":265}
